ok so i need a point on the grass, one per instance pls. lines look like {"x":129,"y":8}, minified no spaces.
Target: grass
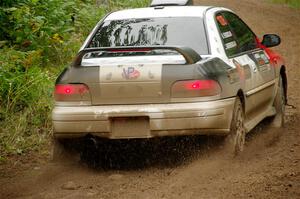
{"x":292,"y":3}
{"x":27,"y":74}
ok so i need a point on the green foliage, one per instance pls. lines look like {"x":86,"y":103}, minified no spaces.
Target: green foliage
{"x":19,"y":76}
{"x":25,"y":131}
{"x":38,"y":38}
{"x":25,"y":93}
{"x":32,"y":24}
{"x":116,"y":5}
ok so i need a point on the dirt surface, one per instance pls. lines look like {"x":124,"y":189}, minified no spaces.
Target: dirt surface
{"x":187,"y":167}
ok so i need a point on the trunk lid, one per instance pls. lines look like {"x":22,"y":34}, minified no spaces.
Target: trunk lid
{"x":131,"y":80}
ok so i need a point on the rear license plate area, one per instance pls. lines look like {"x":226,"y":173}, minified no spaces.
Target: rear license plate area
{"x":130,"y":127}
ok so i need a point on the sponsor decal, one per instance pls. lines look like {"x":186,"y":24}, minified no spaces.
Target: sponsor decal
{"x":230,"y":45}
{"x":265,"y":58}
{"x":222,"y":20}
{"x":130,"y":73}
{"x":257,"y":56}
{"x":261,"y":59}
{"x":261,"y":62}
{"x":226,"y":35}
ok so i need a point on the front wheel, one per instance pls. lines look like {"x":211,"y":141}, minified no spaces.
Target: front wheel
{"x":235,"y":141}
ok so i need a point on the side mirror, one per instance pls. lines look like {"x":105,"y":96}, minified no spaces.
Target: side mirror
{"x":271,"y":40}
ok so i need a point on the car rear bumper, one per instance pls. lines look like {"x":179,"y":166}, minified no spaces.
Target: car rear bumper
{"x":143,"y":121}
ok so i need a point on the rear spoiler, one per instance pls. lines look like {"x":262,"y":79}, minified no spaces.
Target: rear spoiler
{"x":189,"y":54}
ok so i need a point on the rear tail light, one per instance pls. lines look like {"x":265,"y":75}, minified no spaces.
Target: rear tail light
{"x":196,"y":88}
{"x":71,"y":92}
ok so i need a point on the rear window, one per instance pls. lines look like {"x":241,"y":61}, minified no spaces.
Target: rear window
{"x":180,"y":31}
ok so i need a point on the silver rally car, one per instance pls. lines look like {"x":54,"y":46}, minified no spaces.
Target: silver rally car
{"x":167,"y":70}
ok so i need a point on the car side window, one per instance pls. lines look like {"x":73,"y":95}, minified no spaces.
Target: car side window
{"x":229,"y":39}
{"x":237,"y":36}
{"x":245,"y":37}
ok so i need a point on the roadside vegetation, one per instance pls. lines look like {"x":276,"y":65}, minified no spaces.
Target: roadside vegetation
{"x":292,"y":3}
{"x":38,"y":38}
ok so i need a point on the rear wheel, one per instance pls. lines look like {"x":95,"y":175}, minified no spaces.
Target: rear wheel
{"x":235,"y":141}
{"x":279,"y":104}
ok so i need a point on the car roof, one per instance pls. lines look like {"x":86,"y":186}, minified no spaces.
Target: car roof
{"x":158,"y":12}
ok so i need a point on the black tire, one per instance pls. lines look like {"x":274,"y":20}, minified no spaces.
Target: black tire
{"x":235,"y":141}
{"x":279,"y":104}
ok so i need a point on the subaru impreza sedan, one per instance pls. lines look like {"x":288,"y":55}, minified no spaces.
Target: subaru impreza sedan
{"x":168,"y":70}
